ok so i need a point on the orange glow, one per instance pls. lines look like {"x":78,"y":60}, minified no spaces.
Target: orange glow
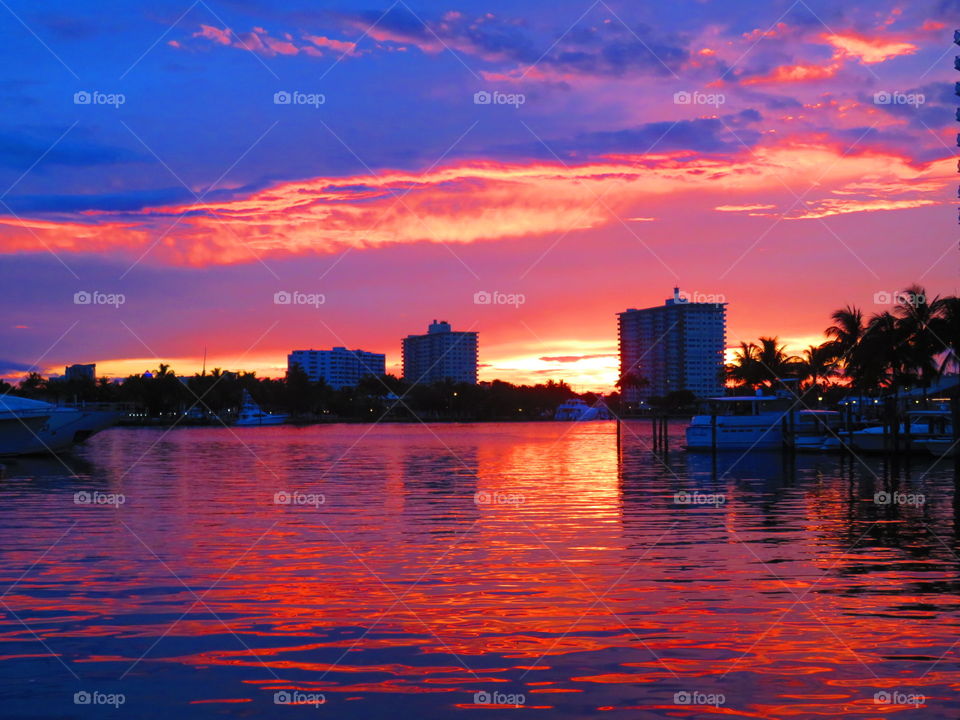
{"x":869,"y":50}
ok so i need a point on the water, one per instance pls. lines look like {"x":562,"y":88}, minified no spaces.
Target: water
{"x":416,"y":566}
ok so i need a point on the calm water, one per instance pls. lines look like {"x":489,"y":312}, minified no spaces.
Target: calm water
{"x":537,"y":564}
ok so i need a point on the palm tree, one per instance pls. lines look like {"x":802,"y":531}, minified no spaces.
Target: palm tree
{"x":745,"y":369}
{"x":774,"y":361}
{"x":946,"y":328}
{"x":917,"y":318}
{"x":845,"y":335}
{"x":818,"y":363}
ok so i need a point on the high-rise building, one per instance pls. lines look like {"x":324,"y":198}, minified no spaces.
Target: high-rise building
{"x":441,"y":354}
{"x":338,"y":367}
{"x":676,"y":346}
{"x":81,"y":372}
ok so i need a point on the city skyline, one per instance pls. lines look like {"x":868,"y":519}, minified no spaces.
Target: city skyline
{"x":569,"y":161}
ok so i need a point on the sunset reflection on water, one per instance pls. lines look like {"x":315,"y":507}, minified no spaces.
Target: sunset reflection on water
{"x":546,"y":561}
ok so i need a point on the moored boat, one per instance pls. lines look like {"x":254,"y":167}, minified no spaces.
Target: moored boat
{"x":251,"y":415}
{"x":577,"y":409}
{"x":920,"y":429}
{"x":61,"y":427}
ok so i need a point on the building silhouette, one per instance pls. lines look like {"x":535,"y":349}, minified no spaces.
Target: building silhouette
{"x":676,"y":346}
{"x":338,"y":367}
{"x":441,"y":354}
{"x":87,"y":373}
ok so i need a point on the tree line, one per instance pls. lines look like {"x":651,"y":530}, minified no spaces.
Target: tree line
{"x":911,"y":345}
{"x":162,"y":394}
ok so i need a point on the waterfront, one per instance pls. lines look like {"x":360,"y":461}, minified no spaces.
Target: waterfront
{"x":414,"y":566}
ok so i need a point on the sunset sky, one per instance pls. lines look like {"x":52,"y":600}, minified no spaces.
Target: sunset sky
{"x":790,"y":156}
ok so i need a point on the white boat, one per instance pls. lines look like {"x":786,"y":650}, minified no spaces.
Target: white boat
{"x":817,"y":430}
{"x":577,"y":409}
{"x":742,"y":422}
{"x":922,"y":427}
{"x":62,"y":426}
{"x":19,"y":428}
{"x":251,"y":415}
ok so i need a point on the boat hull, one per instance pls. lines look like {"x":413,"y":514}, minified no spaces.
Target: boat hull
{"x":734,"y":437}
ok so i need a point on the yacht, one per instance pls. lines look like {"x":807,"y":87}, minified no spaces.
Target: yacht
{"x":577,"y":409}
{"x":251,"y":415}
{"x":923,"y":427}
{"x":19,"y":428}
{"x":61,"y":427}
{"x":743,"y":422}
{"x":816,"y":430}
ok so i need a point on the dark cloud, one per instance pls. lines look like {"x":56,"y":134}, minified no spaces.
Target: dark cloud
{"x":726,"y":134}
{"x":611,"y":49}
{"x":19,"y":152}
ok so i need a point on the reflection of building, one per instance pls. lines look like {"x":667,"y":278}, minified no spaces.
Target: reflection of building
{"x":441,"y":354}
{"x":676,"y":346}
{"x":86,"y":373}
{"x":338,"y":367}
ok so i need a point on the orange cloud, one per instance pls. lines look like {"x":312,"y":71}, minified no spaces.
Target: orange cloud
{"x":866,"y":49}
{"x":794,"y":74}
{"x":483,"y":201}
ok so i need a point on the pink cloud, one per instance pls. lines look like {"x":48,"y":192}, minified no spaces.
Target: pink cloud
{"x":221,"y":37}
{"x":486,"y":201}
{"x":339,"y":46}
{"x":868,"y":50}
